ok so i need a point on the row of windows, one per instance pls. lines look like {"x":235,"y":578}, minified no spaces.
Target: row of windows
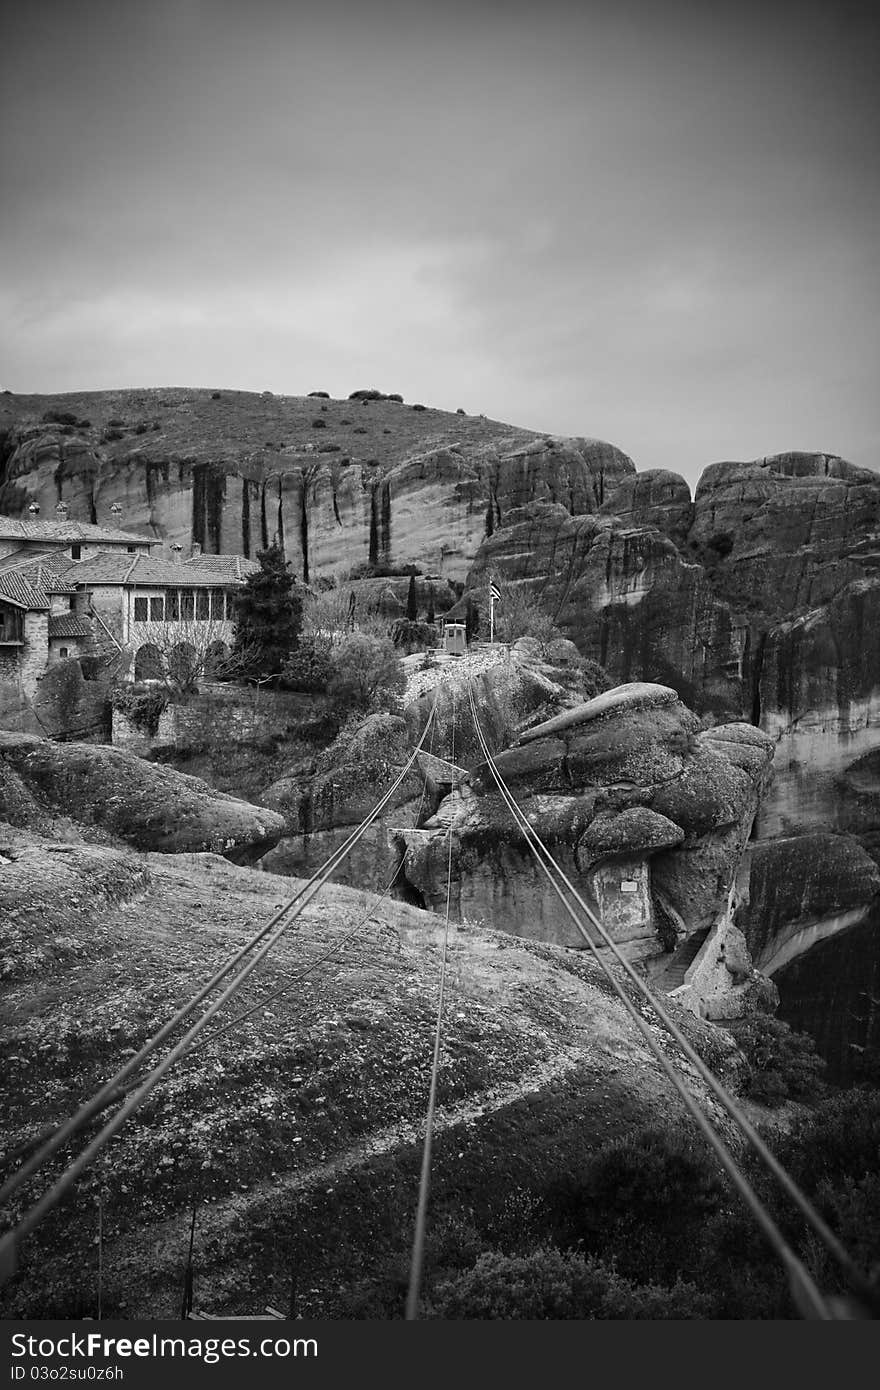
{"x":185,"y":605}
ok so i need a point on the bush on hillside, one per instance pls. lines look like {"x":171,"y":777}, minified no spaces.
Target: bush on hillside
{"x":643,"y":1200}
{"x":595,"y":678}
{"x":366,"y":673}
{"x":782,"y":1064}
{"x":308,"y":668}
{"x":551,"y":1284}
{"x":319,"y":424}
{"x":520,"y":614}
{"x":413,"y":636}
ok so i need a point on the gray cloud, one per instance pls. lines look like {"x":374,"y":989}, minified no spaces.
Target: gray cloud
{"x":635,"y":221}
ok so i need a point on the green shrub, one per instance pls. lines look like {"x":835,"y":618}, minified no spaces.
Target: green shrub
{"x":595,"y":677}
{"x":307,"y":668}
{"x":412,"y":635}
{"x":366,"y":673}
{"x":782,"y":1064}
{"x":642,"y":1200}
{"x":551,"y":1284}
{"x":142,"y":704}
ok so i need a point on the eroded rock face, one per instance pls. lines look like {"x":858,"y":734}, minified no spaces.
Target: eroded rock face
{"x":323,"y":801}
{"x":647,"y":815}
{"x":375,"y":484}
{"x":804,"y":890}
{"x":786,"y":533}
{"x":820,"y":699}
{"x":145,"y":805}
{"x":627,"y":598}
{"x":760,"y":602}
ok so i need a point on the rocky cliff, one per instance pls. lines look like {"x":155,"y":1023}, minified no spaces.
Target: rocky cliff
{"x":755,"y":600}
{"x":341,"y":483}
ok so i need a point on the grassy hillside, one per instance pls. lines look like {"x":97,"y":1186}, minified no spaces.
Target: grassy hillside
{"x":202,"y":425}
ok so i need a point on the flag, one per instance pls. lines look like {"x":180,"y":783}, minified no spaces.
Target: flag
{"x":494,"y":593}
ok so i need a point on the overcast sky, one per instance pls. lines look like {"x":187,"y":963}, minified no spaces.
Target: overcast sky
{"x":652,"y":223}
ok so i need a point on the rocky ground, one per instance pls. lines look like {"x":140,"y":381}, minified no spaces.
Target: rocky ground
{"x":297,"y":1133}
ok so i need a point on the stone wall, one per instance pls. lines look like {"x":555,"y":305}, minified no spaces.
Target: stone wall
{"x":35,"y":655}
{"x":218,"y":714}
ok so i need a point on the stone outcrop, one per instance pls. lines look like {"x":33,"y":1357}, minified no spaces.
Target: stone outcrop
{"x":86,"y":788}
{"x":645,"y":812}
{"x":322,"y":800}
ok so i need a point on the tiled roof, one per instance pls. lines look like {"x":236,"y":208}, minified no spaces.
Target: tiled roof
{"x":143,"y":569}
{"x":44,"y":571}
{"x":224,"y":566}
{"x":19,"y":592}
{"x":13,"y":528}
{"x":68,"y":625}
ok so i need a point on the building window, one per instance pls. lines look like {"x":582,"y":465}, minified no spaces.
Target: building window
{"x":202,"y":606}
{"x":157,"y":610}
{"x":71,"y":603}
{"x":75,"y":552}
{"x":63,"y":652}
{"x":217,"y":605}
{"x":132,"y":549}
{"x":187,"y":605}
{"x":172,"y":606}
{"x":140,"y":610}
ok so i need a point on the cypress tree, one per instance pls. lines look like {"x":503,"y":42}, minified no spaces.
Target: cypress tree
{"x":268,"y":616}
{"x":412,"y":608}
{"x":429,"y":617}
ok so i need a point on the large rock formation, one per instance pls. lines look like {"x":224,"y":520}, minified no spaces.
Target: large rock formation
{"x":326,"y":798}
{"x":757,"y":599}
{"x":376,"y":484}
{"x":646,"y":813}
{"x":80,"y":787}
{"x":627,"y":598}
{"x":760,"y":600}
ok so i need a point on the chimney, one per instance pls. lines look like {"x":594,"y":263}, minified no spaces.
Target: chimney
{"x":196,"y":550}
{"x":176,"y":552}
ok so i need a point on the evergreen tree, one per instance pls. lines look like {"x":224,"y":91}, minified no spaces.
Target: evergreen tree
{"x":429,"y":617}
{"x":268,"y":616}
{"x":412,"y":608}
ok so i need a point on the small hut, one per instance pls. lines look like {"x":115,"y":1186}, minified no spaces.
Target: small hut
{"x":454,"y":639}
